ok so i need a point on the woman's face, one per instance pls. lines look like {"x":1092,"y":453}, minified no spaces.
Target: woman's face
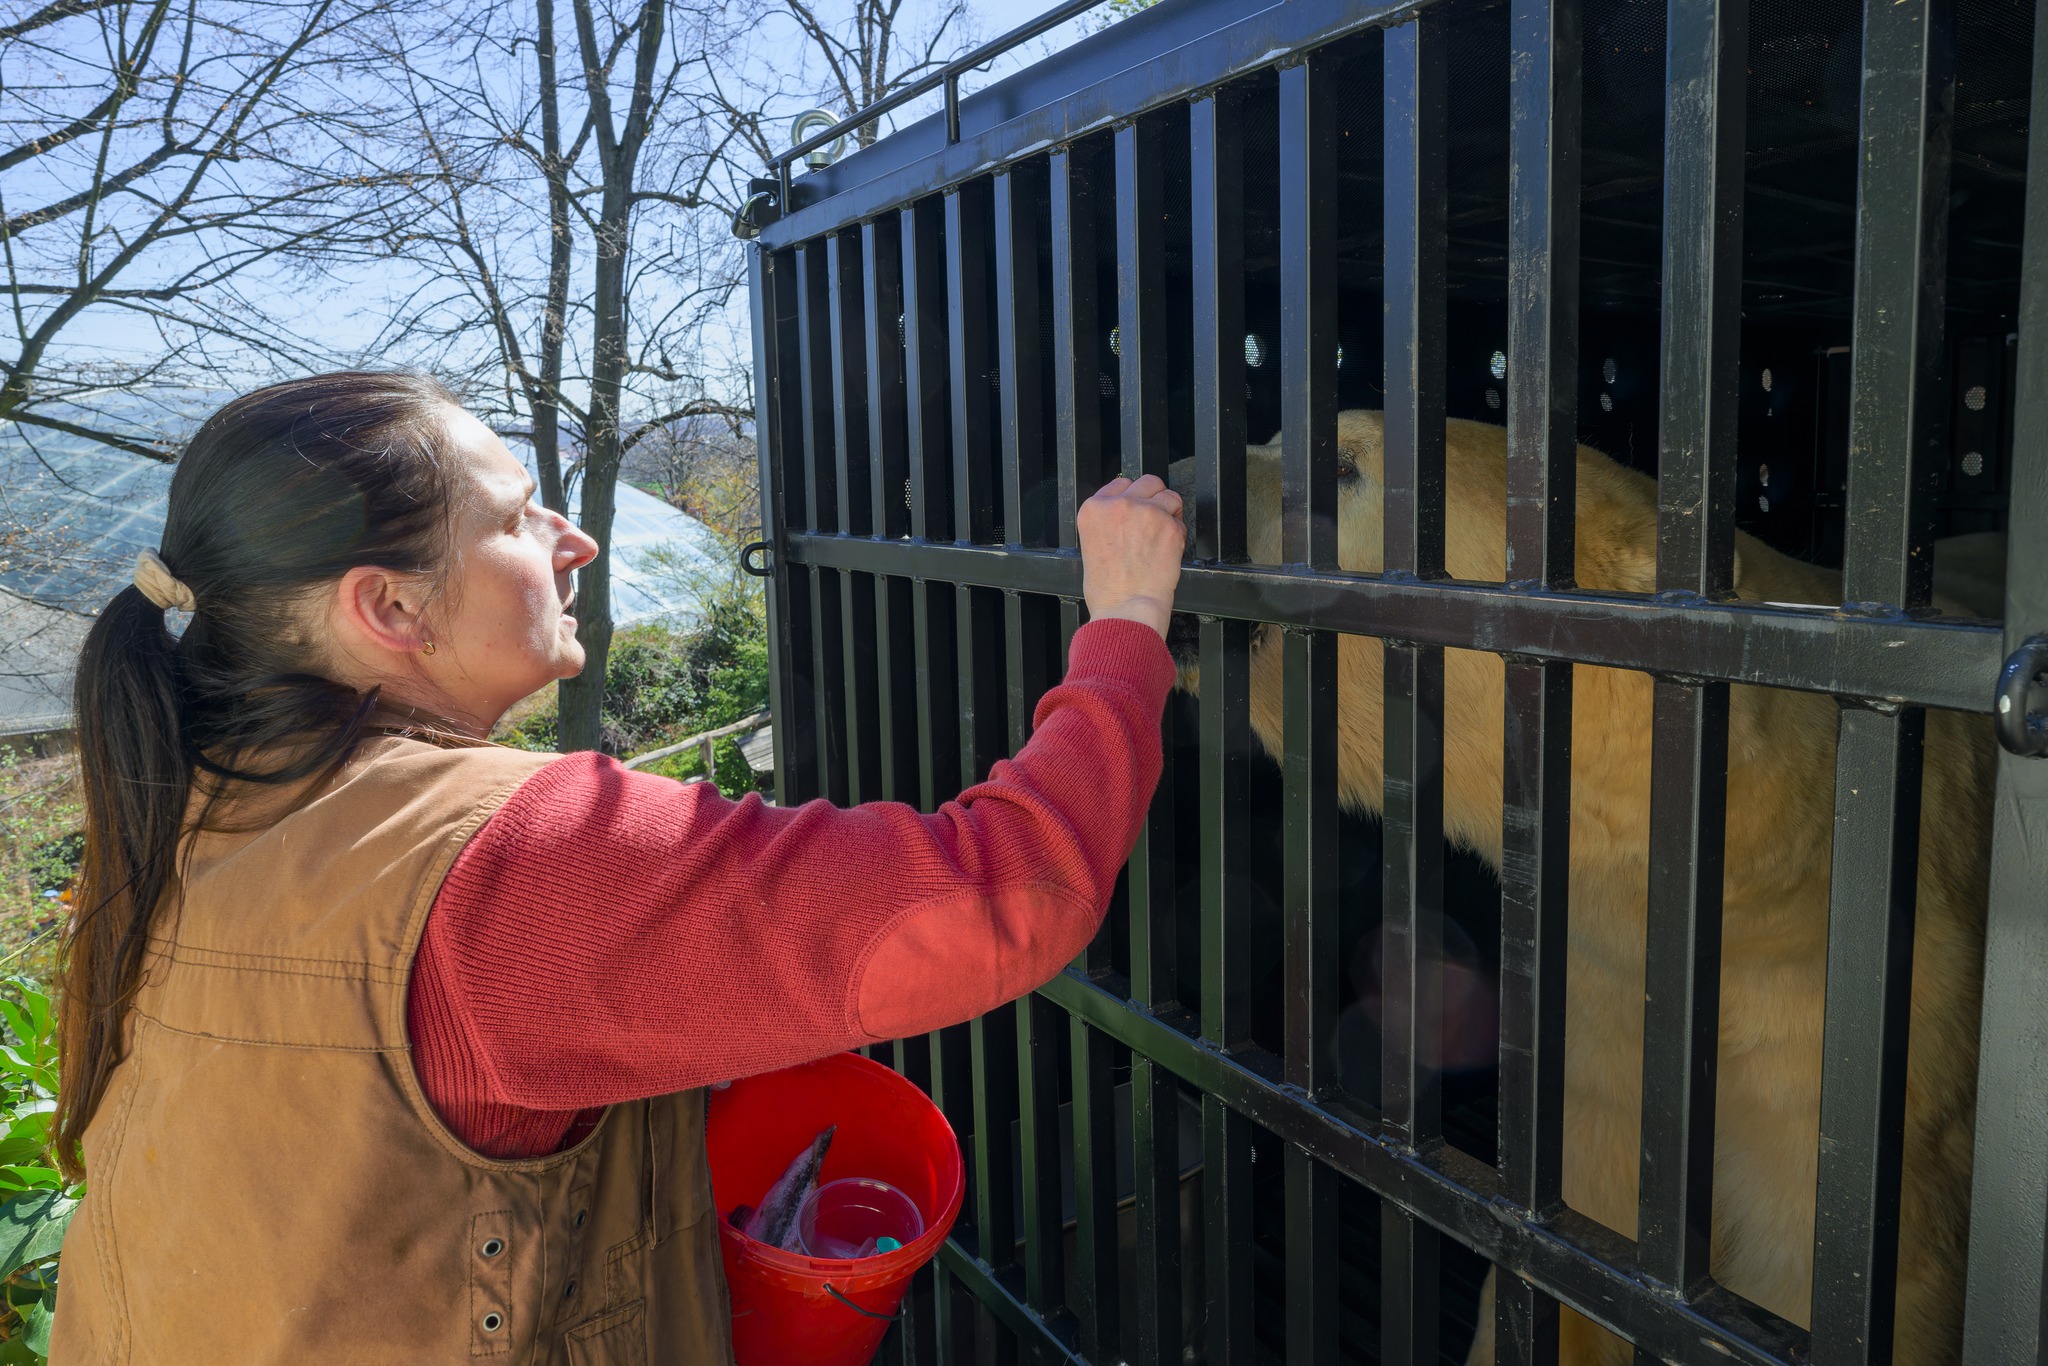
{"x":498,"y":620}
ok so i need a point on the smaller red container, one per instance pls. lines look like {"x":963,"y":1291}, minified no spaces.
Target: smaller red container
{"x":792,"y":1310}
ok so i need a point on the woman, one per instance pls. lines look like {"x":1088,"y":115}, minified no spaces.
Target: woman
{"x":383,"y":1044}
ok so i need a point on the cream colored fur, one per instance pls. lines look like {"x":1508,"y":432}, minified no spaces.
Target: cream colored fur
{"x":1781,"y":755}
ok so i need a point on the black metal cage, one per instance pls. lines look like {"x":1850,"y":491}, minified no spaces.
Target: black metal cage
{"x":1790,"y":261}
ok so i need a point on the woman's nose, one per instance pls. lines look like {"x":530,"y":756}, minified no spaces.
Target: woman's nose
{"x":575,"y":549}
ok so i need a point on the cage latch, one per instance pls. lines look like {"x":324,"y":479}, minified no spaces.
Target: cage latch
{"x":763,"y":570}
{"x":763,"y":207}
{"x":2020,"y":730}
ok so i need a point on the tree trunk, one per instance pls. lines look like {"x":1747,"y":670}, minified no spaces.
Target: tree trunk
{"x":545,"y":398}
{"x":581,"y":700}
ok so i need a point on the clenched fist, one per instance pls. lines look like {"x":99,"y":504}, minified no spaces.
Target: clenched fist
{"x":1132,"y":539}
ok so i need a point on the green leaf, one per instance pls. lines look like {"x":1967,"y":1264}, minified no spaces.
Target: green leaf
{"x":15,"y":1352}
{"x":41,"y":1314}
{"x":32,"y":1227}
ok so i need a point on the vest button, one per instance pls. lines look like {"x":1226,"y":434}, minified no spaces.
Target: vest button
{"x":569,"y":1291}
{"x":492,"y":1247}
{"x":493,"y":1321}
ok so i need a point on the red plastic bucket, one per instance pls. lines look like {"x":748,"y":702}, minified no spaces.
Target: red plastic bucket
{"x":792,"y":1310}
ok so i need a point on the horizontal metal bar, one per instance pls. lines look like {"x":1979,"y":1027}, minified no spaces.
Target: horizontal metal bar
{"x":1011,"y":1312}
{"x":1580,"y":1260}
{"x":1945,"y":663}
{"x":1053,"y":111}
{"x":950,"y":72}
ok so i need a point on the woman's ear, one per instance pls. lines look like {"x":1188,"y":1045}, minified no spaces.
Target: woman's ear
{"x":382,"y":608}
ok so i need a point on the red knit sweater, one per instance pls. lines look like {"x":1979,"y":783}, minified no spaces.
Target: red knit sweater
{"x":610,"y":934}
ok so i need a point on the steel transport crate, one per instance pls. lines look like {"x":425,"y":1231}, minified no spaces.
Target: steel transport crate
{"x":1789,"y":260}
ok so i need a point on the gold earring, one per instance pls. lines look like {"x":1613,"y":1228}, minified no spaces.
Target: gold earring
{"x":427,"y":648}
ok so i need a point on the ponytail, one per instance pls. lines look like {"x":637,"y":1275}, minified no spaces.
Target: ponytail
{"x":279,"y":494}
{"x":136,"y":776}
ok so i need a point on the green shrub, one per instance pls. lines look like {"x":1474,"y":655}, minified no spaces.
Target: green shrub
{"x":35,"y":1202}
{"x":664,"y":683}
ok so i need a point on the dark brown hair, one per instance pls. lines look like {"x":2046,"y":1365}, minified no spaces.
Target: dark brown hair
{"x":279,"y":493}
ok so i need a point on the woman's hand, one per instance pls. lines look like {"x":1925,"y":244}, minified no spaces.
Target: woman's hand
{"x":1132,"y":539}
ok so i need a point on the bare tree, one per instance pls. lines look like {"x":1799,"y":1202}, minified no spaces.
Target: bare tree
{"x":844,"y":62}
{"x":159,"y":156}
{"x":592,"y":142}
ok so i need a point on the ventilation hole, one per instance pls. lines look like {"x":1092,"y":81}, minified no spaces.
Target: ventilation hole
{"x":1764,"y":501}
{"x":1116,"y":341}
{"x":1493,"y":398}
{"x":1498,"y":365}
{"x":1973,"y":398}
{"x":569,"y":1291}
{"x":1767,"y":379}
{"x":1607,"y":370}
{"x":1254,"y":350}
{"x":1607,"y":403}
{"x":1973,"y":463}
{"x":492,"y":1247}
{"x":493,"y":1322}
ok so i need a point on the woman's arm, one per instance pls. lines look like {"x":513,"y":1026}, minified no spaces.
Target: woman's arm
{"x":611,"y":934}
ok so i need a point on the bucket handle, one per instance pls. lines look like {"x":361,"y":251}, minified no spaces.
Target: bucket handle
{"x":834,"y":1293}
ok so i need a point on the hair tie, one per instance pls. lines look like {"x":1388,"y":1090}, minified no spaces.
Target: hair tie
{"x":160,"y":585}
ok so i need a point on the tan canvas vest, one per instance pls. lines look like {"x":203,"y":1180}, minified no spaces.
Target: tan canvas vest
{"x":266,"y":1182}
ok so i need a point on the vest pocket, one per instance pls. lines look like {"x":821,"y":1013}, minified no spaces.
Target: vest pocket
{"x":617,"y":1337}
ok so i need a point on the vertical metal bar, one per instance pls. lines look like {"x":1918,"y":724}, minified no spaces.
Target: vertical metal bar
{"x":1414,"y":130}
{"x":813,"y":310}
{"x":828,"y":663}
{"x":1155,"y":1141}
{"x":1707,"y":47}
{"x":1155,"y":1116}
{"x":2004,"y":1315}
{"x":1077,"y":409}
{"x":993,"y":1040}
{"x":1308,"y":317}
{"x":1038,"y":1129}
{"x":1415,"y":125}
{"x":1544,"y":129}
{"x":1895,"y":433}
{"x":1312,"y":1194}
{"x":777,"y":394}
{"x":1095,"y":1240}
{"x":889,"y":497}
{"x":1876,"y":863}
{"x":1895,"y":383}
{"x":1703,"y":151}
{"x":856,"y":515}
{"x":926,"y":400}
{"x":1309,"y":842}
{"x":1226,"y":744}
{"x":1019,"y":211}
{"x":1216,"y":197}
{"x":1545,"y":117}
{"x":967,"y":266}
{"x":1682,"y":979}
{"x":1141,"y":296}
{"x":927,"y":417}
{"x":847,"y":294}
